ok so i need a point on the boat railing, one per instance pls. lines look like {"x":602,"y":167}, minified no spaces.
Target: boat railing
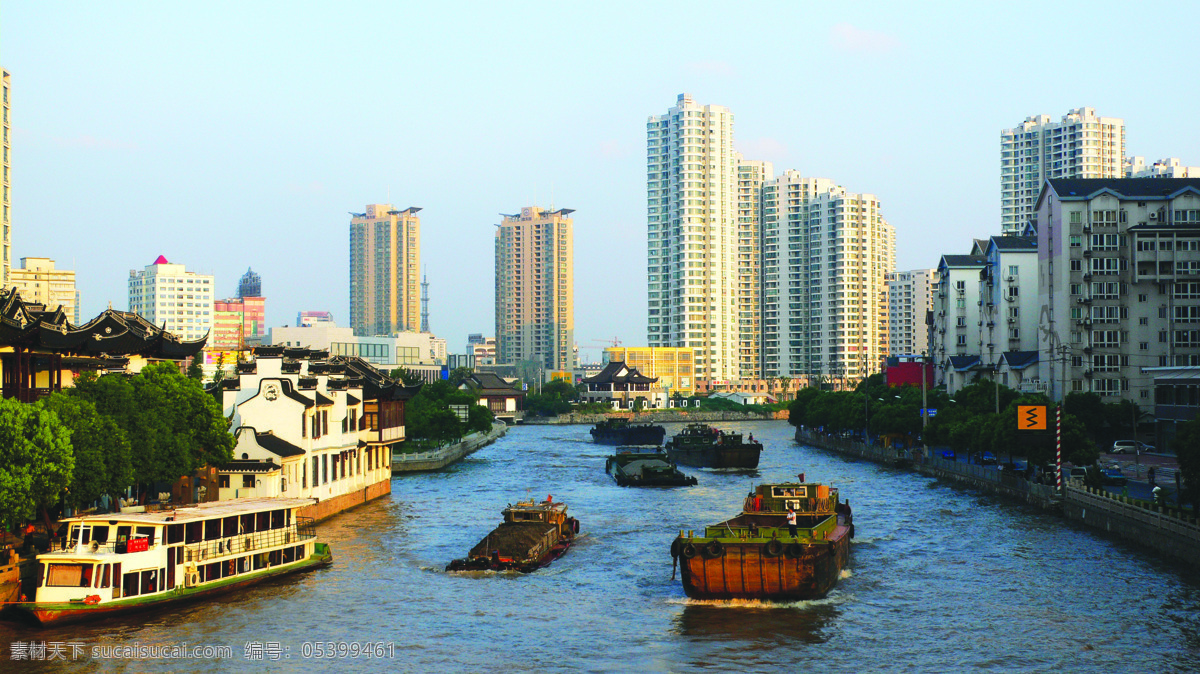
{"x":303,"y":530}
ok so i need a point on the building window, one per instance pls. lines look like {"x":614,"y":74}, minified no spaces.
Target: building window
{"x":247,"y":481}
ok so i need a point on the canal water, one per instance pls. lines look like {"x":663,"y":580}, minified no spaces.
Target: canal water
{"x":940,"y":579}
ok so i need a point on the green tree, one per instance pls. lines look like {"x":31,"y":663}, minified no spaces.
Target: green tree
{"x":460,"y":374}
{"x":101,"y":450}
{"x":195,"y":368}
{"x":172,"y":425}
{"x":479,"y":419}
{"x":1187,"y":449}
{"x":36,"y":462}
{"x":405,"y":376}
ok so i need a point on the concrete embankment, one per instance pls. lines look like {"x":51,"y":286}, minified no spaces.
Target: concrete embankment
{"x":661,"y":417}
{"x":440,"y":458}
{"x":1165,"y":531}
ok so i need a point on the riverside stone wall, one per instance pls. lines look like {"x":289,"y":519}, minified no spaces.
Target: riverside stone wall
{"x":659,"y":417}
{"x":440,"y":458}
{"x":1163,"y":531}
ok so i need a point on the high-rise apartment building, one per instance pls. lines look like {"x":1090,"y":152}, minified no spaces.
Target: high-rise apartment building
{"x":693,"y":236}
{"x":1081,"y":145}
{"x":752,"y":175}
{"x":1136,"y":167}
{"x":850,"y":250}
{"x":39,"y":282}
{"x":785,"y":344}
{"x":385,"y":261}
{"x":910,"y":299}
{"x":6,"y":238}
{"x":239,"y":322}
{"x":535,"y":290}
{"x":173,"y":298}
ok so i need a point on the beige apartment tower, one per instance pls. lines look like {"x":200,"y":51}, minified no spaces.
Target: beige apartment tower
{"x":6,"y":239}
{"x":385,"y":260}
{"x":39,"y":282}
{"x":535,"y":290}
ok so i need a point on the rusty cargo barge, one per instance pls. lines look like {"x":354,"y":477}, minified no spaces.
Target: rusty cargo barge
{"x":754,"y":554}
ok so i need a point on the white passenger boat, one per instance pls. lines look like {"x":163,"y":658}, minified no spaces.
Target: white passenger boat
{"x":125,"y":562}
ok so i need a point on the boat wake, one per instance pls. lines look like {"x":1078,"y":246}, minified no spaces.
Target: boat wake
{"x":868,"y":540}
{"x":833,"y":599}
{"x":845,"y":573}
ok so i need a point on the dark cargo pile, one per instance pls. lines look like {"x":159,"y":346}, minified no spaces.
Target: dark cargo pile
{"x":514,"y":540}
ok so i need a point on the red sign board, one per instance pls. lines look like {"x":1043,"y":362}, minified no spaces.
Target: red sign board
{"x":139,"y":544}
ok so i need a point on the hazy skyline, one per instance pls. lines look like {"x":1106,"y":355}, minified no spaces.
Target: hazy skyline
{"x":224,"y":136}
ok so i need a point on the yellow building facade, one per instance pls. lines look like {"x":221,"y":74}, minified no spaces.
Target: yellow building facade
{"x":674,"y":366}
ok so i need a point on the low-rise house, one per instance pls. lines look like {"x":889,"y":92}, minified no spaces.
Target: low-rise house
{"x":504,"y":400}
{"x":622,"y":386}
{"x":308,"y":425}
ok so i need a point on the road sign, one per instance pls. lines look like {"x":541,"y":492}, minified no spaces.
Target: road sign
{"x":928,"y":412}
{"x":1031,"y":417}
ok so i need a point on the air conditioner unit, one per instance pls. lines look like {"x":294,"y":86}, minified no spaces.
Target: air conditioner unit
{"x":1154,"y":216}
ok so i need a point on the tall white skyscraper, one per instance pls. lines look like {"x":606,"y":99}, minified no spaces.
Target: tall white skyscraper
{"x":1081,"y":145}
{"x":785,"y":272}
{"x":850,"y":250}
{"x":693,"y":236}
{"x":752,"y":175}
{"x":6,"y":235}
{"x":173,"y":298}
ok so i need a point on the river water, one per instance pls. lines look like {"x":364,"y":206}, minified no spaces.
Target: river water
{"x":940,"y":579}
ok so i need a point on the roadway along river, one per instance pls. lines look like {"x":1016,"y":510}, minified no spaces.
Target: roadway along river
{"x":940,"y":579}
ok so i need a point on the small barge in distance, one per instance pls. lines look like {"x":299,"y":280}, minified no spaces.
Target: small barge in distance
{"x":532,"y":535}
{"x":618,"y":431}
{"x":645,"y":467}
{"x":702,"y":446}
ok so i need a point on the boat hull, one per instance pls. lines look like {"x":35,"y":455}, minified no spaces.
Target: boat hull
{"x":480,"y":563}
{"x":632,"y":435}
{"x":748,"y":570}
{"x":72,"y":612}
{"x":717,"y":456}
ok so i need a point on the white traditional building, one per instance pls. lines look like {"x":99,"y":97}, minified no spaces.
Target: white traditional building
{"x":389,"y":351}
{"x":311,"y":426}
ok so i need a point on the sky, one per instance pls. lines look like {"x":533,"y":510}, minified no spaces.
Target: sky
{"x":236,"y":135}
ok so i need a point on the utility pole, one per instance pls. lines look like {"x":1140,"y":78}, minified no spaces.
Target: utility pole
{"x":924,"y":407}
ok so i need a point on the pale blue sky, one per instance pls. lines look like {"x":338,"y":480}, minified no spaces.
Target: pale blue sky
{"x":227,"y":135}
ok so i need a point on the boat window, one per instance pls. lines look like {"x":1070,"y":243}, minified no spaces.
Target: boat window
{"x":277,"y":519}
{"x":788,"y":492}
{"x":212,"y":529}
{"x":130,"y":584}
{"x":41,"y":574}
{"x":262,"y":521}
{"x":100,"y":534}
{"x":73,"y":535}
{"x":194,"y":532}
{"x":105,"y":570}
{"x":147,"y":533}
{"x":69,"y":575}
{"x":149,"y":581}
{"x":229,"y":526}
{"x":174,"y":533}
{"x":248,"y":524}
{"x":122,"y":539}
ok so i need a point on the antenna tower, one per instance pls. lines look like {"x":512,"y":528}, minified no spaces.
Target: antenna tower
{"x":425,"y":303}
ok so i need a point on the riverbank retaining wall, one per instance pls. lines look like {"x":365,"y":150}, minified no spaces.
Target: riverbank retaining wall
{"x":440,"y":458}
{"x":329,"y":507}
{"x":1166,"y":532}
{"x":659,"y":417}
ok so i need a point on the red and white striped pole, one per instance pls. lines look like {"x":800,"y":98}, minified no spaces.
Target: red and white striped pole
{"x":1058,"y":446}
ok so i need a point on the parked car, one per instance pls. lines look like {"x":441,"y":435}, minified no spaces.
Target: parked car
{"x":1130,"y":447}
{"x":1077,"y":473}
{"x":948,"y":454}
{"x":988,"y":459}
{"x":1114,"y":477}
